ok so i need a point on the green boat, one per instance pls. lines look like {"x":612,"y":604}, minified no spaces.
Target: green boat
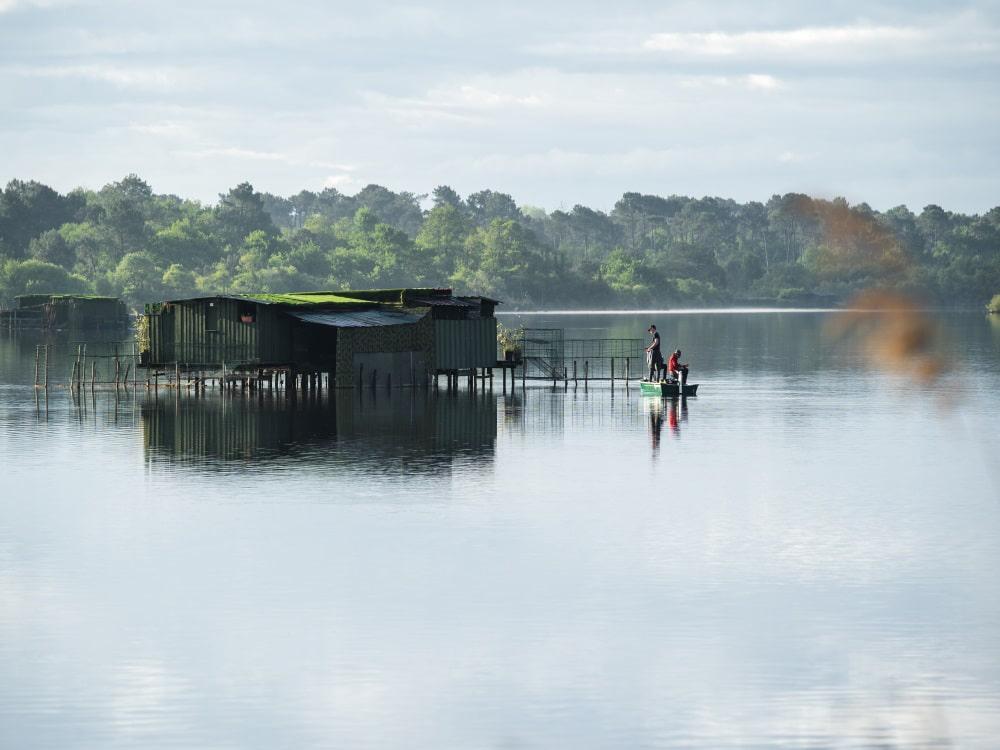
{"x":648,"y":388}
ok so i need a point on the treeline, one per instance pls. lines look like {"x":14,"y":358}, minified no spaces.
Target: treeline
{"x":648,"y":250}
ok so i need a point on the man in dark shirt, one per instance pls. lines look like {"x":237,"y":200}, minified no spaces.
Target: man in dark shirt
{"x":653,"y":355}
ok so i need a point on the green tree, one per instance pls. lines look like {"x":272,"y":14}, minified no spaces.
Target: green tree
{"x":443,"y":195}
{"x":28,"y":208}
{"x":178,"y":282}
{"x":502,"y":260}
{"x":240,"y":212}
{"x":37,"y":277}
{"x":126,"y":205}
{"x":186,"y":241}
{"x":138,"y":278}
{"x":440,"y":244}
{"x":51,"y":247}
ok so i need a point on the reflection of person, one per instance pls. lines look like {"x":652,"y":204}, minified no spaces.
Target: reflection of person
{"x":676,"y":370}
{"x":655,"y":427}
{"x":672,"y":417}
{"x":653,"y":354}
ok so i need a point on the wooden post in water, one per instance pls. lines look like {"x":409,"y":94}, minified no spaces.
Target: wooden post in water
{"x":575,"y":380}
{"x":612,"y":373}
{"x":46,"y":367}
{"x":177,"y":375}
{"x":93,"y":375}
{"x":36,"y":365}
{"x":628,"y":374}
{"x":83,"y":366}
{"x":586,"y":372}
{"x":128,"y":366}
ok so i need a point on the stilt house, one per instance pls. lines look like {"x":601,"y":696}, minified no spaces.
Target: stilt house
{"x":403,"y":334}
{"x":53,"y":312}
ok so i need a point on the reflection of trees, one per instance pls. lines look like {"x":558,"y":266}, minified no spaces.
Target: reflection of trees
{"x":404,"y":431}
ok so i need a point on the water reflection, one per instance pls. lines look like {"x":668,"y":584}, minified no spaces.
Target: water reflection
{"x":411,"y":431}
{"x":180,"y":571}
{"x":673,"y":411}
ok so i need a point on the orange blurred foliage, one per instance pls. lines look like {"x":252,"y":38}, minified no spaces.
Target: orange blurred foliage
{"x":897,"y":335}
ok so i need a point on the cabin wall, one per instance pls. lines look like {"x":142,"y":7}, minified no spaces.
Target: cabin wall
{"x":464,"y":344}
{"x":405,"y":351}
{"x":213,"y":332}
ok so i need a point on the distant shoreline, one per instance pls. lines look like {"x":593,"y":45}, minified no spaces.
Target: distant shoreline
{"x":723,"y":310}
{"x":674,"y":311}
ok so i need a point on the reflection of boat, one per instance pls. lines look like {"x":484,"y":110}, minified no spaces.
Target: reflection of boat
{"x":667,"y":389}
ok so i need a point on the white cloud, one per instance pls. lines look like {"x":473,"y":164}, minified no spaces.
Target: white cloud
{"x":236,"y":153}
{"x":248,"y":154}
{"x":341,"y":181}
{"x":162,"y":129}
{"x":762,"y":82}
{"x":158,"y":78}
{"x":959,"y":37}
{"x":10,"y":5}
{"x":767,"y":43}
{"x":752,"y":82}
{"x":476,"y":97}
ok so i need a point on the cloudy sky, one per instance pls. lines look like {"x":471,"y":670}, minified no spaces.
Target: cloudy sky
{"x":555,"y":102}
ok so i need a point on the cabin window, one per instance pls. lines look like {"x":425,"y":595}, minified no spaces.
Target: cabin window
{"x":211,"y":317}
{"x":248,"y":312}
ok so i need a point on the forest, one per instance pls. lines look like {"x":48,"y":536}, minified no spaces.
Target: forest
{"x":793,"y":249}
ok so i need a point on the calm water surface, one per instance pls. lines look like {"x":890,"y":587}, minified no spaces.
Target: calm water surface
{"x":804,"y":556}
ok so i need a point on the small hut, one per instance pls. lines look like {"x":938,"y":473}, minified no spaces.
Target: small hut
{"x":396,"y":335}
{"x":54,"y":312}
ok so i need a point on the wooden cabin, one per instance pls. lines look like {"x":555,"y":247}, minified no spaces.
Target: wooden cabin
{"x":403,"y":334}
{"x":55,"y":312}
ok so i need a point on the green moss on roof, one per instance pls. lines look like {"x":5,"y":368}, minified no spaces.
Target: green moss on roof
{"x":67,"y":296}
{"x":35,"y":300}
{"x":302,"y":298}
{"x":383,"y":296}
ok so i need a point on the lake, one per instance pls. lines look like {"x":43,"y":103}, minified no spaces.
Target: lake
{"x":804,"y":556}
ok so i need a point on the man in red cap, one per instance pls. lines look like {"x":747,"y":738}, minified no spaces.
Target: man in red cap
{"x":676,"y":369}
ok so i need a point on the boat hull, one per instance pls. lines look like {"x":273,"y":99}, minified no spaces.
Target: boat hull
{"x":667,"y":389}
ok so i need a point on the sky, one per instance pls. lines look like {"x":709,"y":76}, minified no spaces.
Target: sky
{"x":556,"y":103}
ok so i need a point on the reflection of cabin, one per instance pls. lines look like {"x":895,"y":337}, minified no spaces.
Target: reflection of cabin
{"x":49,"y":312}
{"x":416,"y":432}
{"x":402,"y":333}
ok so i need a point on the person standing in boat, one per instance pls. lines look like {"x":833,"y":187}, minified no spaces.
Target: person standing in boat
{"x":676,"y":370}
{"x":653,"y":354}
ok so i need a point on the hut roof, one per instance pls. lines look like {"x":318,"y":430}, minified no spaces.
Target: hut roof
{"x":357,"y":318}
{"x":422,"y":297}
{"x":30,"y":300}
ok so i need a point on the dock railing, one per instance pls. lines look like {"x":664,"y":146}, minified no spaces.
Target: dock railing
{"x":547,"y":355}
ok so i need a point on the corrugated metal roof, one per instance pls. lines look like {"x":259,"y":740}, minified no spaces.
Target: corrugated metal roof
{"x":357,"y":318}
{"x":442,"y":301}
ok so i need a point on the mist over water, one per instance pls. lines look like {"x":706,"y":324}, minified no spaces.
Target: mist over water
{"x":805,"y":556}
